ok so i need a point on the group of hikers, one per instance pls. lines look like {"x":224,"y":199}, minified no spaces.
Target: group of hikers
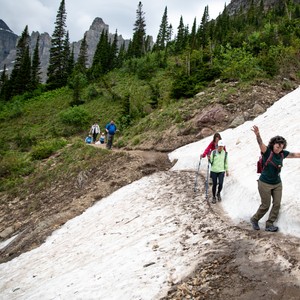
{"x":269,"y":182}
{"x":110,"y":130}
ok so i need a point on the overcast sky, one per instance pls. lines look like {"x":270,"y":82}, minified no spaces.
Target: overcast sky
{"x":120,"y":15}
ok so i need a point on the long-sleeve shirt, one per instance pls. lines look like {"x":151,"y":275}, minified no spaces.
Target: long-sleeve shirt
{"x":212,"y":146}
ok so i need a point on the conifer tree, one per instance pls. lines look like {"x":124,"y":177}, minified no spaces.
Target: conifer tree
{"x":4,"y":85}
{"x":113,"y":52}
{"x":101,"y":60}
{"x":203,"y":32}
{"x":35,"y":68}
{"x":57,"y":62}
{"x":20,"y":76}
{"x":193,"y":36}
{"x":69,"y":58}
{"x":163,"y":33}
{"x":180,"y":42}
{"x":81,"y":64}
{"x":121,"y":56}
{"x":138,"y":47}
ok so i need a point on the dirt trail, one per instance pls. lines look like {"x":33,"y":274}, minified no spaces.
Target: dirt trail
{"x":240,"y":263}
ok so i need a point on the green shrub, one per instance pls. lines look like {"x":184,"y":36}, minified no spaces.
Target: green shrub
{"x":46,"y":148}
{"x":75,"y":116}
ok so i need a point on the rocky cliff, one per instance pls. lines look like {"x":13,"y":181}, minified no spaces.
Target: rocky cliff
{"x":8,"y":41}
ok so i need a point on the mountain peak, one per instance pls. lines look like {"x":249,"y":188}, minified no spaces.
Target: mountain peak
{"x":3,"y":26}
{"x":98,"y":25}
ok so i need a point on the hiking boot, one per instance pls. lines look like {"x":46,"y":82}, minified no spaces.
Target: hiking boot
{"x":219,"y":197}
{"x":271,"y":228}
{"x":214,"y":200}
{"x":254,"y":224}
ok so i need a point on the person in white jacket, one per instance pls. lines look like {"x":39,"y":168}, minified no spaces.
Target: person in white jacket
{"x":95,"y":130}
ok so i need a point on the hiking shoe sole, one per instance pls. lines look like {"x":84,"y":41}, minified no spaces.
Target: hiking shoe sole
{"x":254,"y":224}
{"x":272,"y":228}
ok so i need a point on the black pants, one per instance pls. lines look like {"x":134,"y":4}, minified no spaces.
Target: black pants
{"x":217,"y":179}
{"x":110,"y":139}
{"x":95,"y":136}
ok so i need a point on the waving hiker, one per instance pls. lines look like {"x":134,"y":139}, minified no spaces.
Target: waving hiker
{"x":269,"y":182}
{"x":219,"y":166}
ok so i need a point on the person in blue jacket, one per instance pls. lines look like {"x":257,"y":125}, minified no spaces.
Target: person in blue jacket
{"x":111,"y":129}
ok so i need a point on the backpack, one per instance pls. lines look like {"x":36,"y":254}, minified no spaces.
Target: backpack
{"x":260,"y":165}
{"x":88,"y":139}
{"x":213,"y":157}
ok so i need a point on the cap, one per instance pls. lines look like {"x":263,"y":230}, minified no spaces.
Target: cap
{"x":221,"y":143}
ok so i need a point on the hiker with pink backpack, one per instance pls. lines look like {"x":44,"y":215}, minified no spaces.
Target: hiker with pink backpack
{"x":269,"y":182}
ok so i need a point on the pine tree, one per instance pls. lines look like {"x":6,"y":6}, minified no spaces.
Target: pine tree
{"x":81,"y":64}
{"x":101,"y":60}
{"x":4,"y":85}
{"x":21,"y":73}
{"x":57,"y":62}
{"x":203,"y":32}
{"x":181,"y":37}
{"x":113,"y":53}
{"x":193,"y":36}
{"x":35,"y":69}
{"x":69,"y":58}
{"x":138,"y":47}
{"x":163,"y":33}
{"x":121,"y":56}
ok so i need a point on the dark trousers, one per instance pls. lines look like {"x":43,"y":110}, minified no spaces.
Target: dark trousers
{"x":110,"y":139}
{"x":217,"y":179}
{"x":95,"y":136}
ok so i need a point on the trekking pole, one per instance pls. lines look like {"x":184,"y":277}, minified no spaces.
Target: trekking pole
{"x":206,"y":182}
{"x":197,"y":173}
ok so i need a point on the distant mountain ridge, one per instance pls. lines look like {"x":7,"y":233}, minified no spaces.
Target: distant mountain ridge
{"x":8,"y":41}
{"x":236,"y":5}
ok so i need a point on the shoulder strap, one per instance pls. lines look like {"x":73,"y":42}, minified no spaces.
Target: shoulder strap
{"x":213,"y":156}
{"x":269,"y":158}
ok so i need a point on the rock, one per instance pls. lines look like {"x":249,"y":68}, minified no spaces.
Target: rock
{"x":205,"y":132}
{"x":258,"y":109}
{"x":214,"y":115}
{"x":7,"y":232}
{"x":239,"y":120}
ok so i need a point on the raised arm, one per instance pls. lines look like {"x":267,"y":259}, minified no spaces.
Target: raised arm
{"x":294,"y":155}
{"x":262,"y":146}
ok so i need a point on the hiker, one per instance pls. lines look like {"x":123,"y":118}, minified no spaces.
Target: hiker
{"x":88,"y":139}
{"x":269,"y":182}
{"x":95,"y":130}
{"x":219,"y":166}
{"x":102,"y":138}
{"x":111,"y":129}
{"x":212,"y":145}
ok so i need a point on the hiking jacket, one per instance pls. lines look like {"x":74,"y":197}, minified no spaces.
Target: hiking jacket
{"x":111,"y":128}
{"x":95,"y":129}
{"x":212,"y":146}
{"x":219,"y":161}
